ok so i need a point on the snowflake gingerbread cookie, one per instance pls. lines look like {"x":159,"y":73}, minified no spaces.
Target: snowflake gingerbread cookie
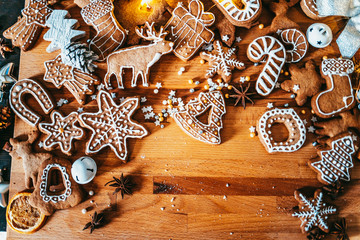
{"x":334,"y":164}
{"x":293,"y":123}
{"x":76,"y":81}
{"x":112,"y":125}
{"x":187,"y":119}
{"x":61,"y":131}
{"x":222,"y":60}
{"x":313,"y":212}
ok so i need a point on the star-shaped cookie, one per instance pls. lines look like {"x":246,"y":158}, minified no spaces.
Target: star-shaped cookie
{"x":61,"y":131}
{"x":112,"y":125}
{"x":37,"y":12}
{"x":222,"y":60}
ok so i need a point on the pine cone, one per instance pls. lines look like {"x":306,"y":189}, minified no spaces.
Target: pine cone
{"x":79,"y":56}
{"x":6,"y":117}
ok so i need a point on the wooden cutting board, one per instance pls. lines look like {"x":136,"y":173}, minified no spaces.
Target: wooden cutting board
{"x":182,"y":183}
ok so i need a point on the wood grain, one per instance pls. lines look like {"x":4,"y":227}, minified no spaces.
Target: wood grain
{"x":181,"y":188}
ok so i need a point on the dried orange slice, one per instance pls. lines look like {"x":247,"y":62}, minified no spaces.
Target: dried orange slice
{"x":21,"y":216}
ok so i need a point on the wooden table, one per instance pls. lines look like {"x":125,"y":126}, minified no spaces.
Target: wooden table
{"x":182,"y":188}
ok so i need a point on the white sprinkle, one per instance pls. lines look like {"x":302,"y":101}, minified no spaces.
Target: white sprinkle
{"x":92,"y":201}
{"x":182,"y":69}
{"x":227,"y":185}
{"x":162,"y":209}
{"x":83,"y":211}
{"x":173,"y":205}
{"x":172,"y":199}
{"x":156,"y":91}
{"x":91,"y":192}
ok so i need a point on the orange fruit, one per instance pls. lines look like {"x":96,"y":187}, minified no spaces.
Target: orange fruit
{"x":21,"y":216}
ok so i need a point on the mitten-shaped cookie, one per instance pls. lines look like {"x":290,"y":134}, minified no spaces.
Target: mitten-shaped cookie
{"x":339,"y":95}
{"x":305,"y":82}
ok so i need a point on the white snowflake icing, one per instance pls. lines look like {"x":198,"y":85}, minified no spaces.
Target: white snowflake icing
{"x":314,"y":212}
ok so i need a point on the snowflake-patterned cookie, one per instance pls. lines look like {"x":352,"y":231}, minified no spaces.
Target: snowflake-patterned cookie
{"x":313,"y":212}
{"x":61,"y":131}
{"x":112,"y":125}
{"x":222,"y":61}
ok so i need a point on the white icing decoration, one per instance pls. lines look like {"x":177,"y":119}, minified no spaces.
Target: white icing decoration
{"x":61,"y":32}
{"x":335,"y":163}
{"x":99,"y":13}
{"x":276,"y":55}
{"x":112,"y":125}
{"x":341,"y":67}
{"x":188,"y":122}
{"x":314,"y":213}
{"x":27,"y":86}
{"x":44,"y":184}
{"x":293,"y":123}
{"x":140,"y":66}
{"x":297,"y":40}
{"x":250,"y":10}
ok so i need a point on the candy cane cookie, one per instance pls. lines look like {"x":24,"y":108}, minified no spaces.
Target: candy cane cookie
{"x":41,"y":95}
{"x":241,"y":13}
{"x":276,"y":55}
{"x":297,"y":40}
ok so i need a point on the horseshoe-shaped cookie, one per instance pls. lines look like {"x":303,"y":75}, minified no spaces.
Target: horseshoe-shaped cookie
{"x":276,"y":55}
{"x":23,"y":87}
{"x":294,"y":125}
{"x":241,"y":15}
{"x":299,"y":45}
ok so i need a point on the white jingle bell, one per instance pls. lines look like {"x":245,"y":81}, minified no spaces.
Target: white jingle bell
{"x":83,"y":170}
{"x":319,"y":35}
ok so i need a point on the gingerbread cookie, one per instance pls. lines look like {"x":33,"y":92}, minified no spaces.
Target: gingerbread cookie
{"x":335,"y":126}
{"x":281,"y":20}
{"x":207,"y":133}
{"x":27,"y":29}
{"x":305,"y":82}
{"x":31,"y":160}
{"x":188,"y":29}
{"x":313,"y":212}
{"x":112,"y":125}
{"x":294,"y":125}
{"x":310,"y":9}
{"x":222,"y":60}
{"x":55,"y":188}
{"x":127,"y":57}
{"x":339,"y":95}
{"x":297,"y":42}
{"x":61,"y":131}
{"x":226,"y":29}
{"x":23,"y":87}
{"x":334,"y":162}
{"x":110,"y":35}
{"x":76,"y":81}
{"x":272,"y":49}
{"x":62,"y":30}
{"x":240,"y":13}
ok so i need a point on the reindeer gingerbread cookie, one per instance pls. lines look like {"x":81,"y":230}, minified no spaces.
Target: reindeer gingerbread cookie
{"x":129,"y":57}
{"x":339,"y":95}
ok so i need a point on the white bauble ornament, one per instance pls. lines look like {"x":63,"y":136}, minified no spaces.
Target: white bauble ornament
{"x":83,"y":170}
{"x":319,"y":35}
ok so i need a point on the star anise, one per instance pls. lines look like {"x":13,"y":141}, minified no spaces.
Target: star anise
{"x":242,"y":95}
{"x":334,"y":190}
{"x":4,"y":48}
{"x":316,"y":234}
{"x":339,"y":228}
{"x":122,"y":185}
{"x":96,"y":221}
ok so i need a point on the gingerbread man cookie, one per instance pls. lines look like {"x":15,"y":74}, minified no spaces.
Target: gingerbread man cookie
{"x":305,"y":82}
{"x":207,"y":133}
{"x":240,"y":13}
{"x":26,"y":31}
{"x":23,"y":87}
{"x":76,"y":81}
{"x":112,"y":125}
{"x":110,"y":34}
{"x":272,"y":49}
{"x":222,"y":60}
{"x":55,"y":188}
{"x":334,"y":162}
{"x":339,"y":95}
{"x":313,"y":212}
{"x":61,"y":131}
{"x":294,"y":125}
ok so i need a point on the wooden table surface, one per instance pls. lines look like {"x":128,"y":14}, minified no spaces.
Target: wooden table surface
{"x":168,"y":164}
